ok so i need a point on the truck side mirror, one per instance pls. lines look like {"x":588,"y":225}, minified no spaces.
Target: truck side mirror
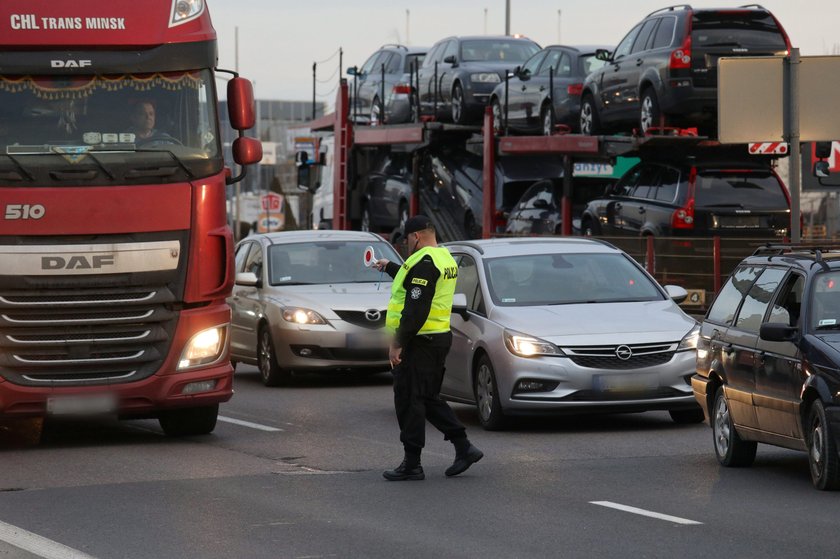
{"x":822,"y":170}
{"x":247,"y":151}
{"x":240,"y":96}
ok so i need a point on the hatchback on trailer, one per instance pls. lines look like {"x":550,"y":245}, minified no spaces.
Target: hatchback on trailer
{"x":566,"y":325}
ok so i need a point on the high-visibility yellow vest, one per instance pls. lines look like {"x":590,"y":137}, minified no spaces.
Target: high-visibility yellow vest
{"x":441,"y":310}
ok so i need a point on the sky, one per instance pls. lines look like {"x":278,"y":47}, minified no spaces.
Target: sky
{"x":280,"y":39}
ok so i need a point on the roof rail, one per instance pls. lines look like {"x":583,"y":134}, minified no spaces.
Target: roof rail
{"x":759,"y":6}
{"x":670,"y":9}
{"x":469,"y":244}
{"x":394,"y":45}
{"x":817,"y":249}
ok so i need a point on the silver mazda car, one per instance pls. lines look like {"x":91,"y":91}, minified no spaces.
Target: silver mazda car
{"x":304,"y":301}
{"x":566,"y":325}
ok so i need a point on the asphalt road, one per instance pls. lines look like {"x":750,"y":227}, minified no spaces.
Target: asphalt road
{"x":301,"y":478}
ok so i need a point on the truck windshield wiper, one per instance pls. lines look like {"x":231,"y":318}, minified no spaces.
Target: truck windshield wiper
{"x":19,"y":167}
{"x":172,"y":155}
{"x":100,"y":165}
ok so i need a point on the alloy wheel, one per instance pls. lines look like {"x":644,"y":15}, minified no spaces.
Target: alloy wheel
{"x":586,"y":118}
{"x":485,"y":392}
{"x":817,"y":446}
{"x":457,"y":104}
{"x":646,"y":119}
{"x":722,"y":427}
{"x":264,"y":357}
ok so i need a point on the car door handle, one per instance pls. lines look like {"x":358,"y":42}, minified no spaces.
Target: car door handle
{"x":616,"y":67}
{"x":524,"y":87}
{"x":617,"y":206}
{"x":642,"y":210}
{"x":542,"y":88}
{"x":639,"y":62}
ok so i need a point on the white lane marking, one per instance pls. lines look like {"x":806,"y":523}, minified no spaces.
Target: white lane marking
{"x":39,"y":545}
{"x":643,"y":512}
{"x":249,"y":424}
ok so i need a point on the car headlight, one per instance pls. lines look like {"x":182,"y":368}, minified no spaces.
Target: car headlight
{"x":689,"y":342}
{"x":527,"y":346}
{"x":185,"y":10}
{"x":485,"y":77}
{"x":300,"y":315}
{"x":203,"y":348}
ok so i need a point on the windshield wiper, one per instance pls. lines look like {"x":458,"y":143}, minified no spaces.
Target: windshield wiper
{"x":100,"y":165}
{"x":19,"y":167}
{"x":829,"y":327}
{"x":172,"y":155}
{"x":724,"y":44}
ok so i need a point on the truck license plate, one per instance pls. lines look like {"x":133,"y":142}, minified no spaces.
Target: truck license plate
{"x":87,"y":404}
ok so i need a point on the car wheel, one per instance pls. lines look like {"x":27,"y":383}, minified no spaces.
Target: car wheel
{"x":365,"y":224}
{"x":189,"y":421}
{"x":731,"y":450}
{"x":588,"y":228}
{"x":270,"y":371}
{"x":547,"y":119}
{"x":590,"y":124}
{"x":458,"y":101}
{"x":498,"y":117}
{"x":650,"y":115}
{"x":375,"y":112}
{"x":490,"y":412}
{"x":685,"y":417}
{"x":822,"y":450}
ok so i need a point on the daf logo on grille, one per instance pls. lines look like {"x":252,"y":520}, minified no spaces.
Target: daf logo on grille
{"x":373,"y":315}
{"x":623,"y":352}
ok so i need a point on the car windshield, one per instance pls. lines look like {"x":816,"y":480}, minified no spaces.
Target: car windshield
{"x":825,"y":304}
{"x":562,"y":279}
{"x":750,"y":190}
{"x":325,"y":262}
{"x":117,"y":126}
{"x":497,"y":50}
{"x":591,"y":63}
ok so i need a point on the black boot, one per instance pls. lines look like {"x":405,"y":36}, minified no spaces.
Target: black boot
{"x":465,"y":456}
{"x":409,"y":470}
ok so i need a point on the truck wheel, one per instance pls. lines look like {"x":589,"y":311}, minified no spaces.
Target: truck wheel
{"x":822,"y":450}
{"x":188,"y":422}
{"x":590,"y":124}
{"x":270,"y":371}
{"x":731,"y":450}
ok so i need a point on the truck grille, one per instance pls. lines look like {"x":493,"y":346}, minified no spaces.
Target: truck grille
{"x":85,"y":336}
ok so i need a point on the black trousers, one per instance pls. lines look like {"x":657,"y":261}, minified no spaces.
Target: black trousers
{"x":417,"y":381}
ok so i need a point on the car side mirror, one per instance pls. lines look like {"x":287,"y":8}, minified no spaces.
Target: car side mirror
{"x":541,"y":203}
{"x":676,"y":293}
{"x":352,"y":71}
{"x":247,"y":279}
{"x":822,"y":169}
{"x":603,"y":54}
{"x":459,"y":305}
{"x":778,"y":332}
{"x":524,"y":74}
{"x":451,"y":60}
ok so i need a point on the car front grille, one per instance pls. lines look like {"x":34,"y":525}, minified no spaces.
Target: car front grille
{"x":607,"y":356}
{"x":360,"y":318}
{"x":77,"y":337}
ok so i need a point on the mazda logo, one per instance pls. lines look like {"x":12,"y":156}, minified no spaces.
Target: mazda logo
{"x":623,"y":352}
{"x":373,"y":315}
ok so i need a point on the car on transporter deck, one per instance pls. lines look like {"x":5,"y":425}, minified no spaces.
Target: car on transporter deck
{"x":566,"y":325}
{"x":305,"y":302}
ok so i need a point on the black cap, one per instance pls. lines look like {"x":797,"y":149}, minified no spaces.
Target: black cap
{"x":417,"y":223}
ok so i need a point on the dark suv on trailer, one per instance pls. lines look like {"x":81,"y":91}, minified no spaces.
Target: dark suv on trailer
{"x":768,"y":359}
{"x":664,"y":71}
{"x":698,"y":199}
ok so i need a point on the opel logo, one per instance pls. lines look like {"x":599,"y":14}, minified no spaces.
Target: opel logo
{"x":373,"y":315}
{"x":623,"y":352}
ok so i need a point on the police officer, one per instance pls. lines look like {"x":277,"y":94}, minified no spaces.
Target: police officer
{"x":418,"y":316}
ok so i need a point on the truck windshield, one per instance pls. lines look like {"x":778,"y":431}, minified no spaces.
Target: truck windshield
{"x":109,"y":125}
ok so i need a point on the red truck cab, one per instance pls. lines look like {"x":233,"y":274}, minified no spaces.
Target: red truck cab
{"x":115,"y":252}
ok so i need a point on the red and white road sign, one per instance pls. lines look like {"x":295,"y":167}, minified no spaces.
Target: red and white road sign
{"x":768,"y":148}
{"x":271,"y":202}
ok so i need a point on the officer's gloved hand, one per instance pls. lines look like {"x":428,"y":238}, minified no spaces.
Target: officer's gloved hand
{"x":381,"y":263}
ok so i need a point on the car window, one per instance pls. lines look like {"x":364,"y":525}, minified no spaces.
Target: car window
{"x":626,"y":43}
{"x":393,"y":64}
{"x":648,"y":182}
{"x":669,"y":180}
{"x":665,"y":32}
{"x":324,"y":262}
{"x":752,"y":190}
{"x":589,"y":64}
{"x":788,"y":304}
{"x":369,"y":64}
{"x":431,"y":56}
{"x":413,"y":61}
{"x":628,"y":182}
{"x":542,"y":192}
{"x":254,"y":261}
{"x":532,"y":64}
{"x":561,"y":279}
{"x":560,"y":61}
{"x":758,"y":299}
{"x":497,"y":50}
{"x":736,"y":28}
{"x":825,"y":301}
{"x":641,"y":42}
{"x":468,"y":283}
{"x":451,"y":50}
{"x":729,"y":299}
{"x":241,"y":255}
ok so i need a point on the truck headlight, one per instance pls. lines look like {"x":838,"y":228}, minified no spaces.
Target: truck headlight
{"x":203,"y":348}
{"x":527,"y":346}
{"x":185,"y":10}
{"x":300,"y":315}
{"x":485,"y":77}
